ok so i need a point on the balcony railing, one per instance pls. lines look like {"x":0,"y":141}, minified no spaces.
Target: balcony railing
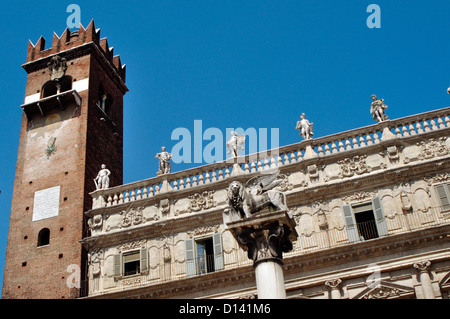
{"x":283,"y":156}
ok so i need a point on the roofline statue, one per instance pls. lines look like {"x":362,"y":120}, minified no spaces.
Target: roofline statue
{"x":377,"y":109}
{"x":305,"y":127}
{"x":164,"y":165}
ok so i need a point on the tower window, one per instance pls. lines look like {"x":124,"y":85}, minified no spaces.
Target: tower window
{"x":57,"y":86}
{"x":44,"y":237}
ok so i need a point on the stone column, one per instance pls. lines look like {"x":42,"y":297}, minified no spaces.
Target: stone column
{"x":334,"y":286}
{"x":265,"y":237}
{"x":423,"y":268}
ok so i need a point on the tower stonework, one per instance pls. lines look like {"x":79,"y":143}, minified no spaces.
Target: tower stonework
{"x":72,"y":124}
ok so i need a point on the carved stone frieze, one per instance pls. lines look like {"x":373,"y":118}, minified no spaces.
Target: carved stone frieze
{"x":200,"y":201}
{"x":284,"y":184}
{"x":357,"y":196}
{"x":433,"y":148}
{"x":132,"y":245}
{"x":441,"y":177}
{"x":351,"y":166}
{"x":95,"y":222}
{"x":202,"y":230}
{"x":382,"y":293}
{"x":132,"y":216}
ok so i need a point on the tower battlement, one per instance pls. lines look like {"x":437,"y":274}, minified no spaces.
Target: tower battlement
{"x":72,"y":39}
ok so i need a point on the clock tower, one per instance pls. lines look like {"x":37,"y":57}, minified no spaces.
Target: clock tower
{"x":72,"y":125}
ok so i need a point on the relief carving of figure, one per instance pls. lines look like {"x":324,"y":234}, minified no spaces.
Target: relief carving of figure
{"x":257,"y":194}
{"x":102,"y":179}
{"x":305,"y":127}
{"x":377,"y":109}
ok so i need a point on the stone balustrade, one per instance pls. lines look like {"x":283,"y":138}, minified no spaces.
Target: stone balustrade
{"x":322,"y":147}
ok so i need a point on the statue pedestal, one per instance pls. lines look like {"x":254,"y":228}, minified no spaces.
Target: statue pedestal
{"x":265,"y":237}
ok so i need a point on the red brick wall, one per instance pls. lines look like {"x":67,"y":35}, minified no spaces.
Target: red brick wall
{"x":85,"y":139}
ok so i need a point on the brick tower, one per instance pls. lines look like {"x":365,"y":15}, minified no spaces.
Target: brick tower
{"x":72,"y":124}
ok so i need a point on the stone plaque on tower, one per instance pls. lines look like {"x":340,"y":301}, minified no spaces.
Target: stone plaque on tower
{"x":46,"y":203}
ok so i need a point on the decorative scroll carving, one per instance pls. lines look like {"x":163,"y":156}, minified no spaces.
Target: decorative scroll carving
{"x":351,"y":166}
{"x":200,"y":201}
{"x":202,"y":230}
{"x":433,"y":147}
{"x":131,"y":245}
{"x":423,"y":266}
{"x":441,"y":177}
{"x":357,"y":196}
{"x":131,"y":217}
{"x":382,"y":293}
{"x":333,"y":283}
{"x":95,"y":222}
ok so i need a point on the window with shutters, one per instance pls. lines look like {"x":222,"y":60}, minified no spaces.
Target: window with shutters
{"x":204,"y":255}
{"x":131,"y":263}
{"x":365,"y":221}
{"x":443,"y":193}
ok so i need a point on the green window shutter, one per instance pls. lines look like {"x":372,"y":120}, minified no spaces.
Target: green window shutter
{"x":350,"y":223}
{"x":379,"y":217}
{"x":443,"y":193}
{"x":218,"y":252}
{"x":117,"y":265}
{"x":144,"y":260}
{"x":189,"y":247}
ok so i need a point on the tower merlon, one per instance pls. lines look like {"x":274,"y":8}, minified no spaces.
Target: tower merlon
{"x":70,"y":45}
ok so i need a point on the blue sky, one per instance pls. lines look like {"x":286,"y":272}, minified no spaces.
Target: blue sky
{"x":235,"y":64}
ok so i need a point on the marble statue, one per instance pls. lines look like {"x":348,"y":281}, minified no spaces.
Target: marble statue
{"x":164,"y":165}
{"x":257,"y":194}
{"x":377,"y":109}
{"x":235,"y":143}
{"x":102,"y":179}
{"x":305,"y":127}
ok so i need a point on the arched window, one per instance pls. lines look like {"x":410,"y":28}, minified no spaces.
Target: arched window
{"x":44,"y":237}
{"x":57,"y":86}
